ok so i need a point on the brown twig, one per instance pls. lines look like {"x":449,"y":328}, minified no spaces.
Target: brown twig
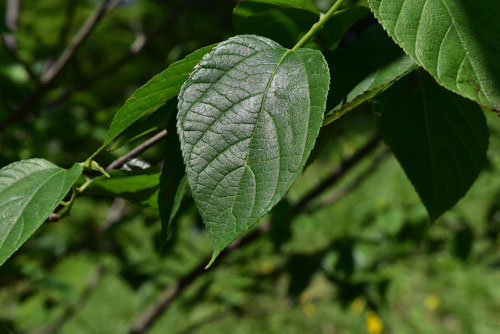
{"x":83,"y":33}
{"x":48,"y":77}
{"x":335,"y":176}
{"x":118,"y":163}
{"x":9,"y":41}
{"x":11,"y":18}
{"x":148,"y":318}
{"x":54,"y":326}
{"x":135,"y":48}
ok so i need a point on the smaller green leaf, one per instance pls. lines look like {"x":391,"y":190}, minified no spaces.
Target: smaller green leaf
{"x":176,"y":204}
{"x":149,"y":125}
{"x":335,"y":28}
{"x":439,"y":138}
{"x":173,"y":183}
{"x":282,"y":21}
{"x":154,"y":94}
{"x":137,"y":186}
{"x":29,"y":191}
{"x":364,"y":69}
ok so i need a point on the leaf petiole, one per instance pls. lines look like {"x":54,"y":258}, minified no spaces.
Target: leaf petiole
{"x":318,"y":25}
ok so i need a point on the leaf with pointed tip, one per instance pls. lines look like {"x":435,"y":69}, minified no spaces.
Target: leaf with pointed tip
{"x":454,"y":40}
{"x":29,"y":191}
{"x":249,"y":115}
{"x":366,"y":76}
{"x":439,"y":138}
{"x":154,"y":94}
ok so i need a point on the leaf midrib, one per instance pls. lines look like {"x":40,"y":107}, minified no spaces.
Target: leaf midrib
{"x":31,"y":199}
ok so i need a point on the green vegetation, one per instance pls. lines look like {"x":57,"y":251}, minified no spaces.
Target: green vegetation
{"x":336,"y":165}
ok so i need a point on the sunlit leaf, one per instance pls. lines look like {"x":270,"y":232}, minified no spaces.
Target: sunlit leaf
{"x":29,"y":191}
{"x":249,"y":115}
{"x":454,"y":40}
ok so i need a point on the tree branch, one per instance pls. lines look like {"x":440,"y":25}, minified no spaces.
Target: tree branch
{"x":118,"y":163}
{"x":135,"y":48}
{"x":148,"y":318}
{"x":9,"y":39}
{"x":51,"y":74}
{"x":346,"y":165}
{"x":54,"y":326}
{"x":83,"y":33}
{"x":11,"y":18}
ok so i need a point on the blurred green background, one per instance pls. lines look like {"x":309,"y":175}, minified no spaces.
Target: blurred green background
{"x":362,"y":259}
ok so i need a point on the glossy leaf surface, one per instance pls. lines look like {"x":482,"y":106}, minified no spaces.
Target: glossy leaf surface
{"x":249,"y":115}
{"x":454,"y":40}
{"x":29,"y":191}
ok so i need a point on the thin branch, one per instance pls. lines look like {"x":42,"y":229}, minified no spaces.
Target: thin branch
{"x":335,"y":176}
{"x":81,"y":36}
{"x":135,"y":48}
{"x":67,"y":25}
{"x":118,"y":163}
{"x":54,"y":326}
{"x":341,"y":193}
{"x":9,"y":39}
{"x":148,"y":318}
{"x":52,"y":73}
{"x":11,"y":18}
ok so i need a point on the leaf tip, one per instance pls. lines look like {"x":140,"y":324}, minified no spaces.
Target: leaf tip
{"x":212,"y":260}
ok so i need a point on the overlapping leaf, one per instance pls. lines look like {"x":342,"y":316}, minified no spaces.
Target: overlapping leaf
{"x":335,"y":28}
{"x":137,"y":186}
{"x":364,"y":69}
{"x":173,"y":182}
{"x":454,"y":40}
{"x":282,"y":21}
{"x":154,"y":94}
{"x":29,"y":191}
{"x":249,"y":115}
{"x":439,"y":138}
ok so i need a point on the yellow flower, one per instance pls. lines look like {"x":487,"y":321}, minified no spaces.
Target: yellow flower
{"x":266,"y":267}
{"x":358,"y":306}
{"x":308,"y":308}
{"x":432,"y":302}
{"x":373,"y":323}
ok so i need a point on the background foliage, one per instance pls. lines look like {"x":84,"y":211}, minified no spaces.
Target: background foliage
{"x":362,"y":257}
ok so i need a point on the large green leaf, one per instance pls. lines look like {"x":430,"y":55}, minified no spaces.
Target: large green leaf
{"x":29,"y":191}
{"x":439,"y":138}
{"x":364,"y":69}
{"x":455,"y":40}
{"x":154,"y":94}
{"x":283,"y":21}
{"x":249,"y":115}
{"x":137,"y":186}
